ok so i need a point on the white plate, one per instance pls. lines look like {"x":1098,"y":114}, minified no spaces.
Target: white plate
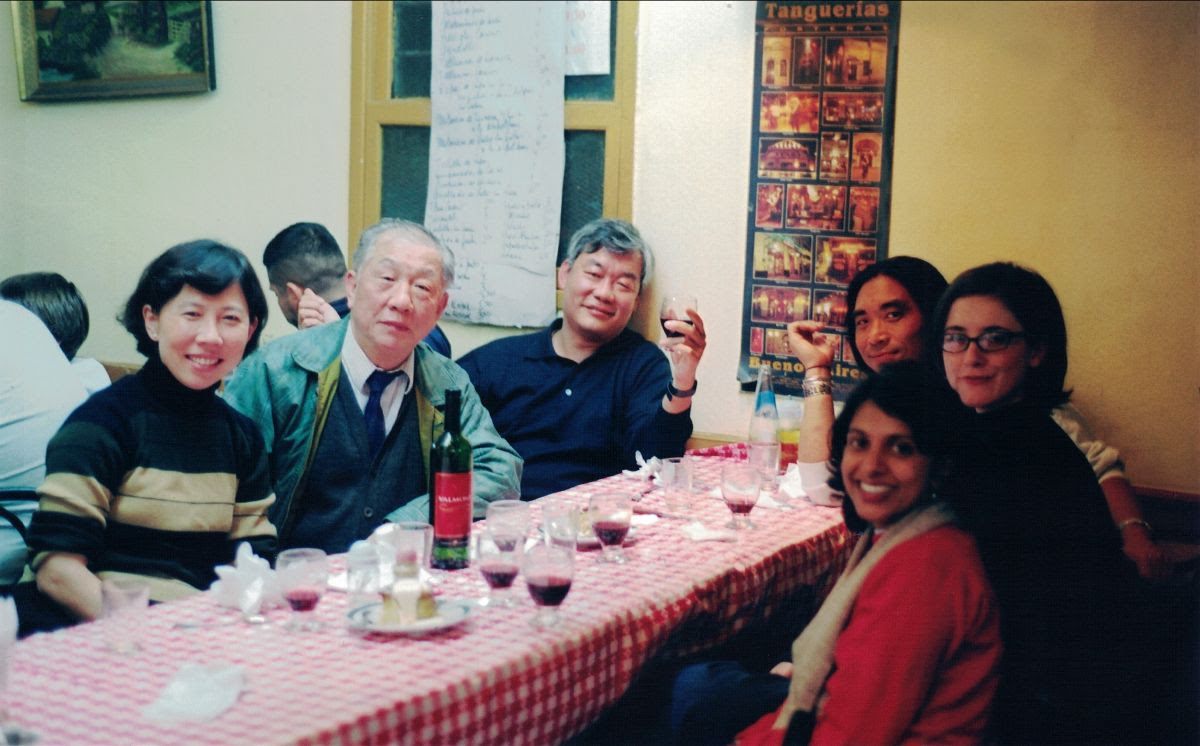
{"x":451,"y":611}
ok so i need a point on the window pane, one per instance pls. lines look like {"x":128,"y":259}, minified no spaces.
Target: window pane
{"x":583,"y":184}
{"x":405,"y":173}
{"x":597,"y":87}
{"x":411,"y":44}
{"x":406,"y":178}
{"x":412,"y":66}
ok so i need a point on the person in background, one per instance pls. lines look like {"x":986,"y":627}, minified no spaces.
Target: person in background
{"x":890,"y":305}
{"x":580,"y":398}
{"x":156,"y":477}
{"x":307,"y":272}
{"x":349,"y":409}
{"x":58,"y":303}
{"x":38,"y":389}
{"x":906,"y":648}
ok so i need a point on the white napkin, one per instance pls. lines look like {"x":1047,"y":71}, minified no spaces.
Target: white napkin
{"x":697,"y":531}
{"x":646,"y":469}
{"x":248,"y":585}
{"x":197,"y":693}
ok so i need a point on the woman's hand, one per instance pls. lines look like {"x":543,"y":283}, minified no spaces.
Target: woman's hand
{"x":813,"y":348}
{"x":1152,"y":563}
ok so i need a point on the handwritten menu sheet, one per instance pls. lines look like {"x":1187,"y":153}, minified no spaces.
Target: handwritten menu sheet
{"x":496,"y":156}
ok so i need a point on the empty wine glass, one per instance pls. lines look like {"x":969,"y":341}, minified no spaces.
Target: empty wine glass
{"x":499,"y":559}
{"x":508,"y":521}
{"x":548,"y":571}
{"x":740,"y":484}
{"x":10,"y":733}
{"x":303,"y":574}
{"x":611,"y":514}
{"x":675,"y":308}
{"x":560,"y":521}
{"x":764,"y":457}
{"x":676,"y":477}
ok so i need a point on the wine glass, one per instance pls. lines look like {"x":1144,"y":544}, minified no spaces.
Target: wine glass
{"x":499,"y":559}
{"x":611,"y":514}
{"x":548,"y":571}
{"x":303,"y":574}
{"x":9,"y":732}
{"x":740,"y":484}
{"x":676,"y":477}
{"x":675,"y":308}
{"x":508,"y":521}
{"x":764,"y":457}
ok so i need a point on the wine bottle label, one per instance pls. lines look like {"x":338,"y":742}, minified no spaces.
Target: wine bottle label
{"x":452,"y":506}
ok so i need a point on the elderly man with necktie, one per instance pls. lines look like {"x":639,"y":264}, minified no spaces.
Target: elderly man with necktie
{"x":349,"y":409}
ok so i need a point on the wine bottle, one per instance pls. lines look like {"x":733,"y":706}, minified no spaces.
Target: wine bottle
{"x":450,"y":493}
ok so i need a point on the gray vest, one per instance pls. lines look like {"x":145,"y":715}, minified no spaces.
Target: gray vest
{"x":346,"y":497}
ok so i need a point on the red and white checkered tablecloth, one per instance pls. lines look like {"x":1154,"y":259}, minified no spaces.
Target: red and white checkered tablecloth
{"x":492,"y":680}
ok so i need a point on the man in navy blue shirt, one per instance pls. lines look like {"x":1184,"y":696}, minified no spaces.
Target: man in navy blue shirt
{"x":579,"y":398}
{"x":307,"y":272}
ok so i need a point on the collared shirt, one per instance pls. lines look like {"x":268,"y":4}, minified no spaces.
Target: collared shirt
{"x":577,"y":422}
{"x":359,"y":367}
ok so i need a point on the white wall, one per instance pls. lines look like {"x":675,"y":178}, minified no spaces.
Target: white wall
{"x":1062,"y":135}
{"x":95,"y":189}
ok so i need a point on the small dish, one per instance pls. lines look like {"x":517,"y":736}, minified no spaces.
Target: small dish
{"x":451,"y":611}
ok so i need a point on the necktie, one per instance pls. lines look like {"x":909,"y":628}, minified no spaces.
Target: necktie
{"x":373,"y":412}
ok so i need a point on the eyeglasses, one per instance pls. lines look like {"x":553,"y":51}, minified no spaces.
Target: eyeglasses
{"x":990,"y":341}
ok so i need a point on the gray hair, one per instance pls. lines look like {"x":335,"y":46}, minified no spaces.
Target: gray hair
{"x":408,"y":230}
{"x":616,"y":236}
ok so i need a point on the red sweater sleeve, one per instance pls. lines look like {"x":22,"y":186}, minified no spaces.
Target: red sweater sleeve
{"x":918,"y":658}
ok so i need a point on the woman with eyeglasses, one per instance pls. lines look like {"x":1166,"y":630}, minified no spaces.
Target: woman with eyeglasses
{"x":1032,"y":501}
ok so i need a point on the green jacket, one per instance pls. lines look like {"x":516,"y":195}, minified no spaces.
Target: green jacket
{"x":287,"y":387}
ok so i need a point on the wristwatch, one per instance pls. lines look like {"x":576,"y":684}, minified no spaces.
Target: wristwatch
{"x":674,"y":393}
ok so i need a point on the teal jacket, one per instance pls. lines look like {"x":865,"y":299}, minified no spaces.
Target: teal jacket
{"x":287,"y":386}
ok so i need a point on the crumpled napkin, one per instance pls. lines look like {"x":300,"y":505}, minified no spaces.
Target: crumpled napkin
{"x":697,"y":531}
{"x":197,"y":693}
{"x":791,"y":484}
{"x":646,"y":469}
{"x":248,"y":585}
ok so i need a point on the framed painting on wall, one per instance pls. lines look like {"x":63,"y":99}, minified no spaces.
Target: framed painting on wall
{"x":112,"y":48}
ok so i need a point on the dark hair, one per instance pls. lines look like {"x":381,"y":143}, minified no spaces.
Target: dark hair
{"x":56,"y":301}
{"x":908,"y":391}
{"x":618,"y":237}
{"x":923,"y":282}
{"x":1029,"y":298}
{"x":205,"y":265}
{"x":306,"y":254}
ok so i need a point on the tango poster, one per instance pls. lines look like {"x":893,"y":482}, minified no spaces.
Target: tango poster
{"x":820,"y":175}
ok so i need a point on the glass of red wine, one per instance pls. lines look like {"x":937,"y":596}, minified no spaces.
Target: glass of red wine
{"x":610,"y":514}
{"x":499,"y":559}
{"x":548,"y":571}
{"x":675,"y":308}
{"x":740,"y":484}
{"x":303,"y":574}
